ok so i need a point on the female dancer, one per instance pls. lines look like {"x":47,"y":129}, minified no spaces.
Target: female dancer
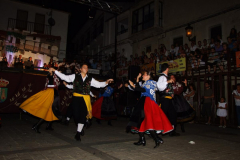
{"x":104,"y":107}
{"x":147,"y":116}
{"x":81,"y":103}
{"x":45,"y":103}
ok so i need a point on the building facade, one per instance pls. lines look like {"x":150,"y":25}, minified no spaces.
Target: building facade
{"x":32,"y":31}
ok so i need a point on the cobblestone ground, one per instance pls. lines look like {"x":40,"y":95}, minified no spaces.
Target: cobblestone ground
{"x":100,"y":142}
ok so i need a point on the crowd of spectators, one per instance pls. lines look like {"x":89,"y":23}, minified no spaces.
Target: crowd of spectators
{"x":214,"y":54}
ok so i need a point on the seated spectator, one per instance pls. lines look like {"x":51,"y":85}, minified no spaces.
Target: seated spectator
{"x":187,"y":49}
{"x":200,"y":58}
{"x":45,"y":67}
{"x":151,"y":60}
{"x":146,"y":60}
{"x":176,"y":49}
{"x":180,"y":51}
{"x":164,"y":59}
{"x":51,"y":64}
{"x":172,"y":50}
{"x":218,"y":47}
{"x":94,"y":64}
{"x":62,"y":64}
{"x":224,"y":56}
{"x":200,"y":45}
{"x":205,"y":45}
{"x":193,"y":46}
{"x":212,"y":43}
{"x":213,"y":60}
{"x":233,"y":35}
{"x":219,"y":38}
{"x":19,"y":59}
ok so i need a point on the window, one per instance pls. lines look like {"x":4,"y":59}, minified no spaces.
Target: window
{"x":123,"y":26}
{"x":39,"y":23}
{"x":21,"y":21}
{"x":216,"y":31}
{"x":178,"y":40}
{"x":143,"y":18}
{"x":160,"y":13}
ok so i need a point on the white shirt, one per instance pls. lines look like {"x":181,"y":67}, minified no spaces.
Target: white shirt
{"x":193,"y":48}
{"x":73,"y":64}
{"x":162,"y":83}
{"x":237,"y":101}
{"x":176,"y":49}
{"x":71,"y":78}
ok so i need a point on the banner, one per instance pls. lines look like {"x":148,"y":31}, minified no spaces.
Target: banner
{"x":176,"y":65}
{"x":148,"y":67}
{"x":238,"y":58}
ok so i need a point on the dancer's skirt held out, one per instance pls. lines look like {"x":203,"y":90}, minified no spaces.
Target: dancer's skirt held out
{"x":185,"y":111}
{"x":41,"y":105}
{"x":104,"y":108}
{"x":147,"y":115}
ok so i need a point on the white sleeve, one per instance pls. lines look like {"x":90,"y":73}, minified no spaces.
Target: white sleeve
{"x":98,"y":84}
{"x":67,"y":78}
{"x":162,"y":83}
{"x":91,"y":94}
{"x":69,"y":86}
{"x":129,"y":87}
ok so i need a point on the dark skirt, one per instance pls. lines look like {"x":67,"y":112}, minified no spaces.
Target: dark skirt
{"x":184,"y":111}
{"x":56,"y":105}
{"x":147,"y":115}
{"x":104,"y":108}
{"x":79,"y":110}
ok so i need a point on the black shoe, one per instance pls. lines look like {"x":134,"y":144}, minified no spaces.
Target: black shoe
{"x":88,"y":124}
{"x":156,"y":138}
{"x":77,"y":136}
{"x":49,"y":127}
{"x":36,"y":128}
{"x":160,"y":140}
{"x":66,"y":123}
{"x":141,"y":141}
{"x":82,"y":133}
{"x":173,"y":133}
{"x":109,"y":123}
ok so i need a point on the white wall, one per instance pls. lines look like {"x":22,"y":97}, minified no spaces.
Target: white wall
{"x":8,"y":9}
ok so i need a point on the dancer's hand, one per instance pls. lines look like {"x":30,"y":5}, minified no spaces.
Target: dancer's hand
{"x":65,"y":84}
{"x":94,"y":96}
{"x":185,"y":82}
{"x":109,"y":81}
{"x":126,"y":84}
{"x":139,"y":75}
{"x":51,"y":70}
{"x":131,"y":83}
{"x":120,"y":86}
{"x":170,"y":81}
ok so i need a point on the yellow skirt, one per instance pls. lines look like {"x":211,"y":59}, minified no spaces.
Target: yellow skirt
{"x":40,"y":105}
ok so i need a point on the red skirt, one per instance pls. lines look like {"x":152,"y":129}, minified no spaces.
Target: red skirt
{"x":96,"y":108}
{"x":154,"y":118}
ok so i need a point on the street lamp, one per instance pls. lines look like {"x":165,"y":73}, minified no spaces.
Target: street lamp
{"x":189,"y":31}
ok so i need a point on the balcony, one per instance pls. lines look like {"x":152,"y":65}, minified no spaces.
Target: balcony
{"x":29,"y":26}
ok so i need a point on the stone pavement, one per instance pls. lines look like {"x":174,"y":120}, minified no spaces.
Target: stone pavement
{"x":103,"y":142}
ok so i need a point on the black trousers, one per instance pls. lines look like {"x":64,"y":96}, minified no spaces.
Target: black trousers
{"x":78,"y":110}
{"x":168,"y":108}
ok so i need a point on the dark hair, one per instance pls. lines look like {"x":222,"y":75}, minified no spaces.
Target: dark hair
{"x":207,"y":82}
{"x":83,"y":64}
{"x":164,"y":66}
{"x":193,"y":86}
{"x":223,"y":98}
{"x":198,"y":51}
{"x":149,"y":73}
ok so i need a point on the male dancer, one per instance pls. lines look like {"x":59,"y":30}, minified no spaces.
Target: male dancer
{"x":166,"y":96}
{"x":81,"y":103}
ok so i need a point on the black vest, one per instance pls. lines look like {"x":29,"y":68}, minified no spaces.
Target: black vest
{"x":82,"y":87}
{"x":169,"y":86}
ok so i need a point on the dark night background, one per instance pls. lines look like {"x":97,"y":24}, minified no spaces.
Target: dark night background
{"x":79,"y":14}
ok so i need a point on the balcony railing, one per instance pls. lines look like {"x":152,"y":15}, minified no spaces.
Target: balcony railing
{"x":29,"y":26}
